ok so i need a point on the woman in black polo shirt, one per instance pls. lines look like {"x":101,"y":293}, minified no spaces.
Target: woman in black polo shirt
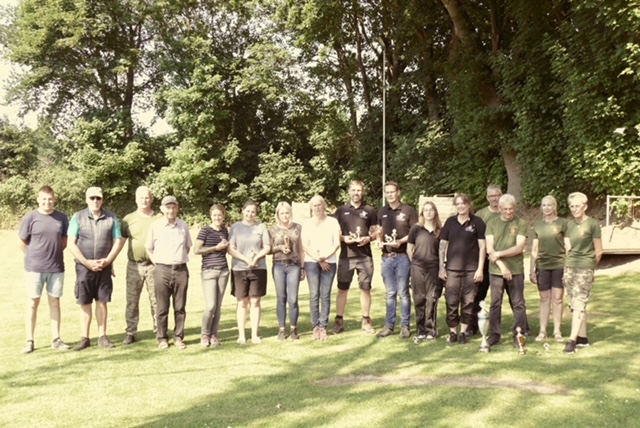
{"x":422,"y":248}
{"x":462,"y":251}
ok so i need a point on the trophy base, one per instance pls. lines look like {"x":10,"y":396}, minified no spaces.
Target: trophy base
{"x":484,"y":349}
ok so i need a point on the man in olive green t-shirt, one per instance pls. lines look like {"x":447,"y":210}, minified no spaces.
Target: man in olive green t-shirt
{"x":139,"y":269}
{"x":506,"y":236}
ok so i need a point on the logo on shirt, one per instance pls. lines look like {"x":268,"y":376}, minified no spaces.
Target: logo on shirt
{"x":583,"y":232}
{"x":555,"y":230}
{"x":401,"y":217}
{"x":513,"y":231}
{"x":363,"y":214}
{"x":470,"y":228}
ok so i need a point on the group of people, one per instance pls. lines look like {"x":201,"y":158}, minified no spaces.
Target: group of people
{"x":467,"y":256}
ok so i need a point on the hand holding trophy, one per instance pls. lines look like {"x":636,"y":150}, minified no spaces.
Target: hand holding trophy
{"x":356,"y":237}
{"x":287,"y":244}
{"x":391,"y":240}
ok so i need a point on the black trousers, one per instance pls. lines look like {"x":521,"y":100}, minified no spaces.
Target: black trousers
{"x":427,"y":289}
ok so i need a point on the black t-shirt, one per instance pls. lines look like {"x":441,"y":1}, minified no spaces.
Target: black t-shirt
{"x":426,"y":245}
{"x":355,"y":220}
{"x":463,"y":249}
{"x":401,"y":219}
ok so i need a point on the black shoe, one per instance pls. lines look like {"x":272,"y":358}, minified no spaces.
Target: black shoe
{"x":129,"y":339}
{"x":83,"y":344}
{"x":570,"y":347}
{"x":105,"y":342}
{"x":582,"y":342}
{"x":470,"y":333}
{"x":462,"y":338}
{"x":493,"y":341}
{"x":453,"y":337}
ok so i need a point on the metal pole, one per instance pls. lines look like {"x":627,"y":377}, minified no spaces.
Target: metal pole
{"x":384,"y":119}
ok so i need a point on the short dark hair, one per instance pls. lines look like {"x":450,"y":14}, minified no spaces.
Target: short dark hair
{"x":251,"y":202}
{"x":218,"y":207}
{"x":392,"y":183}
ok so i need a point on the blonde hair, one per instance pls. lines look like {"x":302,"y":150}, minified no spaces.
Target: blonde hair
{"x":553,"y":201}
{"x":581,"y":197}
{"x":279,"y":207}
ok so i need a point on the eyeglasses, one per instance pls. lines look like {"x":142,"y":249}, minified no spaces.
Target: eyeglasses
{"x":95,"y":198}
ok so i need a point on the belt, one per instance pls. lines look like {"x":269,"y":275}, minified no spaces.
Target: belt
{"x":172,"y":267}
{"x":143,"y":262}
{"x":392,"y":254}
{"x":285,"y":262}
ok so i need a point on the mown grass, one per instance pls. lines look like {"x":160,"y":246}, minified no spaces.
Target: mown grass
{"x":352,"y":380}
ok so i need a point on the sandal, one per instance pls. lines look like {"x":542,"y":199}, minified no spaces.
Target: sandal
{"x":558,"y":337}
{"x":541,"y":337}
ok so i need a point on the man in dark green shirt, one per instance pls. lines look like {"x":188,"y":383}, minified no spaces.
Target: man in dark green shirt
{"x":506,"y":236}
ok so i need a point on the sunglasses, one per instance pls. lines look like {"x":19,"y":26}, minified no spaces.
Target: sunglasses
{"x":95,"y":198}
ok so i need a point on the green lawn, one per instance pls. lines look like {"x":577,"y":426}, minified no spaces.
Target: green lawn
{"x":352,"y":380}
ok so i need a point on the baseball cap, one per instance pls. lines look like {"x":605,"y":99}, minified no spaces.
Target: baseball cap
{"x":169,"y":200}
{"x":93,"y":191}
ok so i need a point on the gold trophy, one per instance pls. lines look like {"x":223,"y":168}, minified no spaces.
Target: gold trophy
{"x":483,"y":326}
{"x":391,"y":240}
{"x":287,"y":243}
{"x":521,"y":341}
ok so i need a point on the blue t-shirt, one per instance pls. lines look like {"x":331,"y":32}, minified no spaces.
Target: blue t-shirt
{"x":44,"y":235}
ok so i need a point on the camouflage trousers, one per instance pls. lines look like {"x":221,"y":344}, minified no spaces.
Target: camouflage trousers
{"x":578,"y":283}
{"x":139,"y":274}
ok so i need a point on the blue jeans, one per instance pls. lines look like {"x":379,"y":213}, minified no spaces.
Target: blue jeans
{"x":319,"y":292}
{"x":395,"y":274}
{"x":214,"y":283}
{"x":286,"y":277}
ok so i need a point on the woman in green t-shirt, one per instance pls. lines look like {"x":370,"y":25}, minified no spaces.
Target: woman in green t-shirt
{"x":584,"y":250}
{"x":547,"y":266}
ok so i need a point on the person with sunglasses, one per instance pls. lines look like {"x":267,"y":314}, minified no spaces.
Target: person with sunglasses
{"x":95,"y":240}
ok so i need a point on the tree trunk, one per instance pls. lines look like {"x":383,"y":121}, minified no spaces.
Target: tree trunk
{"x":513,"y":173}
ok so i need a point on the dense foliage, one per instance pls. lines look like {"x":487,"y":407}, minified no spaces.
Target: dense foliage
{"x":280,"y":99}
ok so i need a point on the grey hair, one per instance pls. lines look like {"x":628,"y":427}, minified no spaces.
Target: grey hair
{"x":506,"y":199}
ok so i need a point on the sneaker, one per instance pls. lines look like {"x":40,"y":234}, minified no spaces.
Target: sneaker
{"x":105,"y":342}
{"x":386,"y":331}
{"x":367,"y":326}
{"x":214,"y":341}
{"x":282,"y":335}
{"x":405,"y":332}
{"x":29,"y":347}
{"x":419,"y":338}
{"x":430,"y":337}
{"x":83,"y":344}
{"x":293,"y":334}
{"x":129,"y":339}
{"x":323,"y":334}
{"x":570,"y":347}
{"x":462,"y":338}
{"x":179,"y":343}
{"x":163,"y":344}
{"x":205,"y":341}
{"x":582,"y":342}
{"x":59,"y":345}
{"x":493,"y":341}
{"x":316,"y":333}
{"x":453,"y":337}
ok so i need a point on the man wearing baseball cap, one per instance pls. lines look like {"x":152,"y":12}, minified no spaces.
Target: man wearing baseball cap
{"x":168,"y":244}
{"x":95,"y":241}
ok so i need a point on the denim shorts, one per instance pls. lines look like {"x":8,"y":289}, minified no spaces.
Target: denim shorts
{"x":35,"y":281}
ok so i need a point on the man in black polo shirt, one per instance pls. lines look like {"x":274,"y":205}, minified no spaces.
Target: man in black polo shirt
{"x":396,"y":219}
{"x":355,"y":219}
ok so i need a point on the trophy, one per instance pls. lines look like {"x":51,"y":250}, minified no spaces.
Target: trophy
{"x":483,"y":326}
{"x":391,"y":240}
{"x":356,"y":236}
{"x":252,"y":255}
{"x":521,"y":341}
{"x":287,"y":243}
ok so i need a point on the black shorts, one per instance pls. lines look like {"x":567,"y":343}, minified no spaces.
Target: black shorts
{"x":248,"y":283}
{"x":346,"y":268}
{"x":92,"y":285}
{"x":548,"y":279}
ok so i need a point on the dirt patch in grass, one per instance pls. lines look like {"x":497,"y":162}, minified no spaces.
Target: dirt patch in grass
{"x":528,"y":386}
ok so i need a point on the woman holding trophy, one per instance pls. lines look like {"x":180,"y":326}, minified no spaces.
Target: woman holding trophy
{"x":547,"y":265}
{"x":288,"y":259}
{"x":249,"y":243}
{"x":422,"y":249}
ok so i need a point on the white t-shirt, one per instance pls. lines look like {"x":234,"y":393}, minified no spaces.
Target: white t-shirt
{"x":321,"y":238}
